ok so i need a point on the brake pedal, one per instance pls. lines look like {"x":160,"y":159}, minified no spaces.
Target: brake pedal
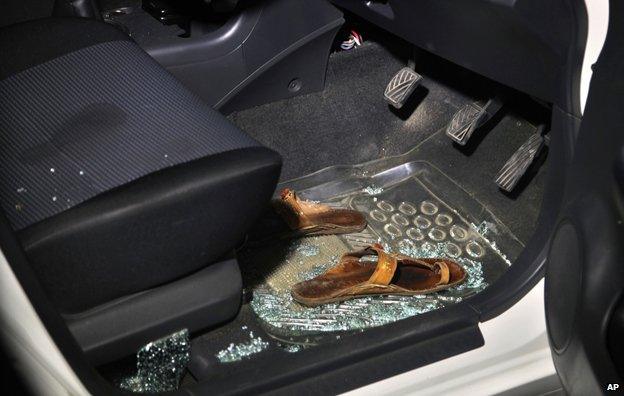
{"x":517,"y":165}
{"x":470,"y":117}
{"x":401,"y":87}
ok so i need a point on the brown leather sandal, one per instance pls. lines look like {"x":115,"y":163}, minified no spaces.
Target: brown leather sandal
{"x":392,"y":274}
{"x":309,"y":218}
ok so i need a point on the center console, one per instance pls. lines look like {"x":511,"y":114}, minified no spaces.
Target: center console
{"x":235,"y":54}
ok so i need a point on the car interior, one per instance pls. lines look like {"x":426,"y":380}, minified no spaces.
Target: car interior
{"x":143,"y":142}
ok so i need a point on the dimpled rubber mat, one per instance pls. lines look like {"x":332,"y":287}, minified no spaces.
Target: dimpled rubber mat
{"x":411,"y":208}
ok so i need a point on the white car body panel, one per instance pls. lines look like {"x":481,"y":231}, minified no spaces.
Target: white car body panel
{"x":515,"y":353}
{"x":29,"y":343}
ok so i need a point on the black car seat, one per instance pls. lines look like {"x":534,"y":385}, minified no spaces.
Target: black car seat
{"x":127,"y":192}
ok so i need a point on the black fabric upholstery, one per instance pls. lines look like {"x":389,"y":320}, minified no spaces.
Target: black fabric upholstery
{"x":92,"y":120}
{"x":116,"y":177}
{"x":156,"y":229}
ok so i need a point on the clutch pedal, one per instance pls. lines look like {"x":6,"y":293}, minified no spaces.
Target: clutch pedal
{"x":401,"y":87}
{"x":470,"y":117}
{"x":517,"y":165}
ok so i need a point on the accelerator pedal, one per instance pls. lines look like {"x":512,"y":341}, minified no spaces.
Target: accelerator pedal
{"x":401,"y":87}
{"x":470,"y":117}
{"x":517,"y":165}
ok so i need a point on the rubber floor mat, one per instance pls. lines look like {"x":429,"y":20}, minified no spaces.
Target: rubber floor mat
{"x":412,"y":208}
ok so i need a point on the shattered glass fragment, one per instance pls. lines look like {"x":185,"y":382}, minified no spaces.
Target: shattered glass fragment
{"x":160,"y":365}
{"x":292,"y":348}
{"x":407,"y":247}
{"x":372,"y":190}
{"x":315,"y":271}
{"x":484,"y":228}
{"x":475,"y":279}
{"x":237,"y":352}
{"x":281,"y":311}
{"x":497,"y":250}
{"x":309,"y":250}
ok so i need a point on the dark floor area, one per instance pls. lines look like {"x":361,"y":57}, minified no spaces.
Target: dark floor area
{"x":349,"y":122}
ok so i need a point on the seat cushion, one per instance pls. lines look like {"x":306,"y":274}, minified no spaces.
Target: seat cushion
{"x":116,"y":177}
{"x":161,"y":227}
{"x":93,"y":119}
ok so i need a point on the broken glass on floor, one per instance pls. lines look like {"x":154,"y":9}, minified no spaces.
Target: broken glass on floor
{"x":419,"y":214}
{"x":160,"y":365}
{"x":239,"y":351}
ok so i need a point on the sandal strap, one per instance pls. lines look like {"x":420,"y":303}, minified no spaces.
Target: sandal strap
{"x":386,"y":267}
{"x":445,"y":274}
{"x":386,"y":264}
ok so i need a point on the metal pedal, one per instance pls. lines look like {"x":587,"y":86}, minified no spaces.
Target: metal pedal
{"x":470,"y":117}
{"x":517,"y":165}
{"x":401,"y":87}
